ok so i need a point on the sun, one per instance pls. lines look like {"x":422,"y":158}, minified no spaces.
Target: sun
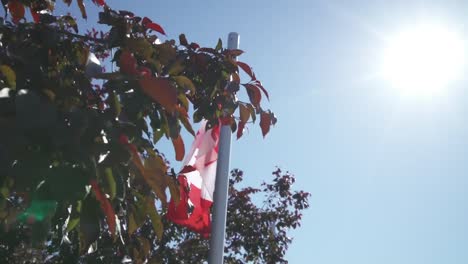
{"x":423,"y":60}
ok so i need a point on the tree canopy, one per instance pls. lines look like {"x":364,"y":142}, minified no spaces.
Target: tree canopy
{"x":80,"y":165}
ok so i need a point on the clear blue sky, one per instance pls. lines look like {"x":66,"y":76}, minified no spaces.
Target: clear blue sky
{"x":388,"y":174}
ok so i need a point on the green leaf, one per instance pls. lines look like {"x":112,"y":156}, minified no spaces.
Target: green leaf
{"x":219,"y":46}
{"x":110,"y":182}
{"x":74,"y":217}
{"x":157,"y":135}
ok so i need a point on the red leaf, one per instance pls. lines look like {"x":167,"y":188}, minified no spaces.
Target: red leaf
{"x":123,"y":139}
{"x":148,"y":24}
{"x":99,"y":2}
{"x":208,"y":50}
{"x":234,"y":52}
{"x":247,"y":69}
{"x":194,"y":46}
{"x":36,"y":16}
{"x":160,"y":90}
{"x":16,"y":10}
{"x":81,"y":5}
{"x":254,"y":93}
{"x":259,"y":85}
{"x":128,"y":63}
{"x":235,"y":78}
{"x":105,"y":206}
{"x":240,"y":129}
{"x":179,"y":148}
{"x":265,"y":122}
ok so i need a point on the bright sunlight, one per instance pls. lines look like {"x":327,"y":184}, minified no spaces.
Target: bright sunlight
{"x":423,"y":60}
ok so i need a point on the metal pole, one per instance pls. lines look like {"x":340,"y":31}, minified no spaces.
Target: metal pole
{"x":218,"y":225}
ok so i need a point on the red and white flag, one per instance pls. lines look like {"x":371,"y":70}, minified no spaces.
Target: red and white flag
{"x":197,"y":183}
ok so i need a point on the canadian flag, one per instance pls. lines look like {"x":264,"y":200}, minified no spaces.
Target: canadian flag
{"x":197,"y":183}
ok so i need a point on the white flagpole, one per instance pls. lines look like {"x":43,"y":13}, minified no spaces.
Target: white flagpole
{"x":218,"y":225}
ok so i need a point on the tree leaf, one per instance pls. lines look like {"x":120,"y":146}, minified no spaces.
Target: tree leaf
{"x":155,"y":217}
{"x":265,"y":122}
{"x":252,"y":112}
{"x":109,"y":176}
{"x":160,"y":90}
{"x":234,"y":52}
{"x":74,"y":217}
{"x":155,"y":175}
{"x":16,"y":9}
{"x":99,"y":2}
{"x":179,"y":148}
{"x":105,"y":206}
{"x":235,"y":78}
{"x":148,"y":24}
{"x":254,"y":94}
{"x":247,"y":69}
{"x":127,"y":63}
{"x":35,"y":15}
{"x":10,"y":75}
{"x":240,"y":129}
{"x":89,"y":224}
{"x":176,"y":68}
{"x":81,"y":5}
{"x":244,"y":113}
{"x":183,"y":117}
{"x":132,"y":226}
{"x":185,"y":83}
{"x":259,"y":85}
{"x":140,"y":46}
{"x":183,"y":40}
{"x":219,"y":45}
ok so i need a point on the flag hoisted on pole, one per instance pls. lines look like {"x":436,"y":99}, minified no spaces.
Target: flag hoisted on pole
{"x":218,"y":228}
{"x":204,"y":183}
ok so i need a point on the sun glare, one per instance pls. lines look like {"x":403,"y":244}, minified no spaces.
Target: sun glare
{"x":423,"y":60}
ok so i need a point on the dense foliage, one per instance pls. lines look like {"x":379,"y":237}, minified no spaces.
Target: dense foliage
{"x":80,"y":168}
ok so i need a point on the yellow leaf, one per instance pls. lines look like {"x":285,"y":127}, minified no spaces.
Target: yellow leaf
{"x":155,"y":217}
{"x":145,"y":247}
{"x":132,"y":227}
{"x":176,"y":68}
{"x":185,"y":83}
{"x":183,"y":100}
{"x":155,"y":175}
{"x":72,"y":223}
{"x":166,"y":53}
{"x":10,"y":75}
{"x":49,"y":94}
{"x":174,"y":190}
{"x":140,"y":46}
{"x":244,"y":113}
